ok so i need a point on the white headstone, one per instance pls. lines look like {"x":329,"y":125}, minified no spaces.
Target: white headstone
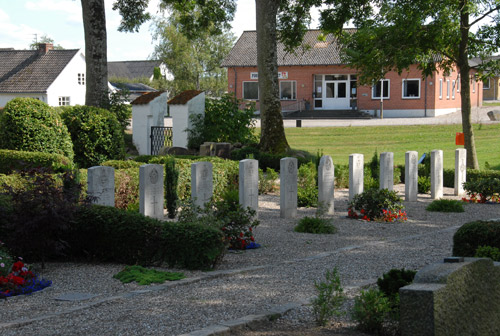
{"x":151,"y":190}
{"x":411,"y":176}
{"x":288,"y":187}
{"x":460,"y":170}
{"x":356,"y":175}
{"x":249,"y":184}
{"x":202,"y":184}
{"x":386,"y":178}
{"x":326,"y":184}
{"x":101,"y":185}
{"x":436,"y":174}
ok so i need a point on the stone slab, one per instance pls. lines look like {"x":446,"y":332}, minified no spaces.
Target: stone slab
{"x":75,"y":296}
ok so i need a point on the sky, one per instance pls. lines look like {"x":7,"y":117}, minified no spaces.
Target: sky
{"x":22,"y":20}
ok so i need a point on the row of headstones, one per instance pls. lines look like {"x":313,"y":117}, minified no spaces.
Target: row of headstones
{"x":151,"y":196}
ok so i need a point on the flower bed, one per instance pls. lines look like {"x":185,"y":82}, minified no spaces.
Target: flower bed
{"x":21,"y":280}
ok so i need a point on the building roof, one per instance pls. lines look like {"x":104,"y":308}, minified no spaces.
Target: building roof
{"x":183,"y":97}
{"x":316,"y":52}
{"x":31,"y":71}
{"x":132,"y":69}
{"x":146,"y":98}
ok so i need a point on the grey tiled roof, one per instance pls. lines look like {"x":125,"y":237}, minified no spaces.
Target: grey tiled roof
{"x":328,"y":52}
{"x":132,"y":69}
{"x":31,"y":71}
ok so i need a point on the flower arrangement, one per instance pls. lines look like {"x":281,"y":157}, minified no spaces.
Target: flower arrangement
{"x":480,"y":198}
{"x":377,"y":205}
{"x":20,"y":280}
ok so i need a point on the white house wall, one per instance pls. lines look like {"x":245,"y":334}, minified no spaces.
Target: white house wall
{"x":6,"y":97}
{"x":66,"y":84}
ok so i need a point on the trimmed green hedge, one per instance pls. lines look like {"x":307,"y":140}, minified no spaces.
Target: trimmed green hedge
{"x":11,"y":160}
{"x":266,"y":160}
{"x":112,"y":235}
{"x":120,"y":164}
{"x":474,"y":234}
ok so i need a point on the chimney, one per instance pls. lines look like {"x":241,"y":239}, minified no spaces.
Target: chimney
{"x":43,"y":48}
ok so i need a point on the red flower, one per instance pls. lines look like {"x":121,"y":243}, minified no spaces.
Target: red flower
{"x":18,"y":265}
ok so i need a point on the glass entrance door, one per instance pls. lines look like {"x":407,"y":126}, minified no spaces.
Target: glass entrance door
{"x":333,"y":93}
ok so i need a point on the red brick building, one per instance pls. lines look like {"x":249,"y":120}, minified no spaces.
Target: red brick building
{"x":316,"y":78}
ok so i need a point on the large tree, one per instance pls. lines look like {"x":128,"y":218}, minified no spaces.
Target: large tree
{"x":194,"y":63}
{"x":392,"y":35}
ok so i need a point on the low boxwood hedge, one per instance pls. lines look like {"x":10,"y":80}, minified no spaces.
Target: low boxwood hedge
{"x":12,"y":160}
{"x":474,"y":234}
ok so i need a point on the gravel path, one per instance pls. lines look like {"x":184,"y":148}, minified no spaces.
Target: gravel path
{"x":246,"y":283}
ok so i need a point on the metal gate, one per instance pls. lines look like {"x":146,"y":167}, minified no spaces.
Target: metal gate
{"x":160,"y":137}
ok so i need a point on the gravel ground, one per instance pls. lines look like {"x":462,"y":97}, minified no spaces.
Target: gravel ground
{"x":283,"y":270}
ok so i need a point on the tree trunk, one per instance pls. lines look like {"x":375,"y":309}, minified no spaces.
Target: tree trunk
{"x":463,"y":64}
{"x":272,"y":137}
{"x":94,"y":26}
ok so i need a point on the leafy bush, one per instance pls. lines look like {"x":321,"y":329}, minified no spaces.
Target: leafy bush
{"x":171,"y":185}
{"x":330,"y":298}
{"x":267,"y":160}
{"x":392,"y":281}
{"x":267,"y":181}
{"x":483,"y":189}
{"x":370,"y":310}
{"x":96,"y":133}
{"x":118,"y":105}
{"x":11,"y":160}
{"x":145,"y":276}
{"x":375,"y":204}
{"x":315,"y":225}
{"x":30,"y":125}
{"x":488,"y":252}
{"x":6,"y":260}
{"x":222,"y":122}
{"x":424,"y":184}
{"x":472,"y":235}
{"x":307,"y":191}
{"x":444,"y":205}
{"x":374,"y":166}
{"x":127,"y":189}
{"x":41,"y":214}
{"x":121,"y":164}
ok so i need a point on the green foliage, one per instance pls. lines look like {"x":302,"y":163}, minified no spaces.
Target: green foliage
{"x":27,"y":124}
{"x":118,"y":105}
{"x":127,"y":189}
{"x":307,"y":191}
{"x":6,"y":259}
{"x":330,"y":298}
{"x":485,"y":188}
{"x":488,"y":252}
{"x":267,"y":160}
{"x":171,"y":185}
{"x":11,"y":160}
{"x":267,"y":181}
{"x":444,"y":205}
{"x":370,"y":310}
{"x":96,"y":133}
{"x":474,"y":234}
{"x":342,"y":176}
{"x":375,"y":204}
{"x":316,"y":224}
{"x":120,"y":164}
{"x":223,"y":121}
{"x":374,"y":166}
{"x":424,"y":184}
{"x":145,"y":276}
{"x":392,"y":281}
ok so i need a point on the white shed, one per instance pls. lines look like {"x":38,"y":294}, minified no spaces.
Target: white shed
{"x":182,"y":107}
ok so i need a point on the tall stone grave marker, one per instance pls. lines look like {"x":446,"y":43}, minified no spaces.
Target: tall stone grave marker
{"x":460,"y":170}
{"x":387,"y":170}
{"x":288,"y":187}
{"x":436,"y":174}
{"x":411,"y":176}
{"x":249,"y":184}
{"x":202,"y":184}
{"x":326,"y":183}
{"x":151,"y":190}
{"x":101,"y":185}
{"x":356,"y":175}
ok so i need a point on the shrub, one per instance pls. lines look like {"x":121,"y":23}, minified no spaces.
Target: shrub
{"x":342,"y":176}
{"x":444,"y":205}
{"x":127,"y":189}
{"x":374,"y":166}
{"x":30,"y":125}
{"x":472,"y":235}
{"x":145,"y":276}
{"x":120,"y":164}
{"x":222,"y":122}
{"x":307,"y":191}
{"x":6,"y":261}
{"x":12,"y":160}
{"x":102,"y":234}
{"x":329,"y":299}
{"x":370,"y":310}
{"x":118,"y":105}
{"x":392,"y":281}
{"x":267,"y":181}
{"x":171,"y":185}
{"x":488,"y":252}
{"x":315,"y":225}
{"x":375,"y":204}
{"x":96,"y":133}
{"x":483,"y":189}
{"x":267,"y":160}
{"x":424,"y":184}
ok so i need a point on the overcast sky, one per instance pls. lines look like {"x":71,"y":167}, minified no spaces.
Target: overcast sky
{"x":61,"y":20}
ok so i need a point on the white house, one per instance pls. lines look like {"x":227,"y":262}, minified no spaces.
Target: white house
{"x":56,"y":77}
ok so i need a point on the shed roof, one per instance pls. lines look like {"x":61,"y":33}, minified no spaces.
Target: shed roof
{"x":132,"y":69}
{"x":183,"y":97}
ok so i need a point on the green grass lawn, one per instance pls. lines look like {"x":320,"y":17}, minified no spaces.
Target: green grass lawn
{"x":340,"y":142}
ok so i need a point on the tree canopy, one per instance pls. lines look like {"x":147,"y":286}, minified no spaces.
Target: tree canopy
{"x":44,"y":39}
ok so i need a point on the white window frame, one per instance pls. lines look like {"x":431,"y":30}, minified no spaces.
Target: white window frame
{"x":440,"y":88}
{"x":473,"y":85}
{"x":458,"y":83}
{"x":403,"y":88}
{"x":294,"y":89}
{"x":447,"y":89}
{"x":64,"y":100}
{"x":243,"y":90}
{"x":81,"y":78}
{"x":453,"y":88}
{"x":388,"y":89}
{"x":489,"y":84}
